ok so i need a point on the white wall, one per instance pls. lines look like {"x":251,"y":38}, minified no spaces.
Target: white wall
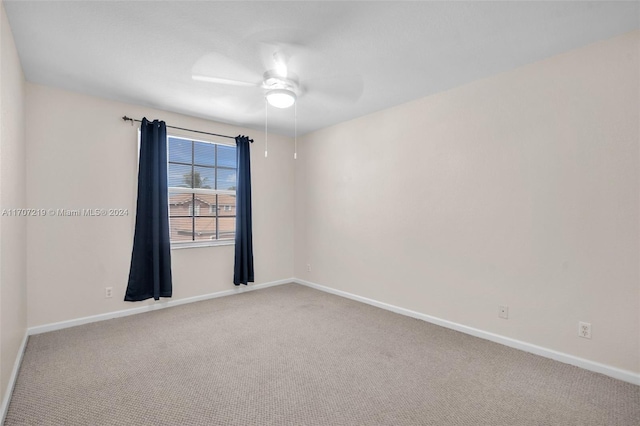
{"x":521,"y":189}
{"x":80,"y":154}
{"x":13,"y":301}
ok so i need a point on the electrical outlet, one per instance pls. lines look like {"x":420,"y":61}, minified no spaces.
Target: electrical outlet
{"x":584,"y":330}
{"x":308,"y":267}
{"x":503,"y":312}
{"x":108,"y":292}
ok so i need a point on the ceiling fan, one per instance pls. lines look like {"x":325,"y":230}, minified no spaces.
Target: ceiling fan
{"x":269,"y":70}
{"x":281,"y":86}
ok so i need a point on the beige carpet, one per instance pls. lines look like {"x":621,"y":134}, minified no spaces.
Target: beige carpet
{"x":290,"y":355}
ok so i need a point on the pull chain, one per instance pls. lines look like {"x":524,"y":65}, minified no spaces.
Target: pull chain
{"x":266,"y":134}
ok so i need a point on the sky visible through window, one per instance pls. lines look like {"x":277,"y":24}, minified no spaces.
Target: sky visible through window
{"x":213,"y":173}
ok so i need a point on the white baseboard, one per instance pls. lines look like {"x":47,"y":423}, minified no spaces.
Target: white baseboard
{"x":616,"y":373}
{"x":12,"y":379}
{"x":146,"y":308}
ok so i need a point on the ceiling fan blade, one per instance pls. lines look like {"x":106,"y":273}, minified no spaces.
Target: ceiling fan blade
{"x":273,"y":48}
{"x":214,"y":67}
{"x":292,"y":50}
{"x":226,"y":81}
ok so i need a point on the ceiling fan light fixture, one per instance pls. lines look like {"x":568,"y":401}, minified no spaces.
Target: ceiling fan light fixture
{"x":281,"y":98}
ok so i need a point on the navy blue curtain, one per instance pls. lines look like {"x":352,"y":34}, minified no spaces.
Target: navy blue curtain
{"x":150,"y":273}
{"x":243,"y":267}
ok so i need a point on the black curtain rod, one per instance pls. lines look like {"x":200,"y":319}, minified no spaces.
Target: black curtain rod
{"x":125,"y":118}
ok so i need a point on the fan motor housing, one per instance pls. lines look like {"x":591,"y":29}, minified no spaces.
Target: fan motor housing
{"x":273,"y":80}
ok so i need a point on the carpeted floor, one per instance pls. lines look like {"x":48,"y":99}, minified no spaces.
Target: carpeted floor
{"x":290,"y":355}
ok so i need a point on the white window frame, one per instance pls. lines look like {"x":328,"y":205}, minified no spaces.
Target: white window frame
{"x":180,"y":190}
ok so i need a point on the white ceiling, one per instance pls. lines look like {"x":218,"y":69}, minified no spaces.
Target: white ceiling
{"x":352,"y":58}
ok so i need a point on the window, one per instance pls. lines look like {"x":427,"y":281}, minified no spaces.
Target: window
{"x":201,"y":178}
{"x":197,"y":209}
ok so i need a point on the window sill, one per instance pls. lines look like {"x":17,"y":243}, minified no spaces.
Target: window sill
{"x":194,"y":244}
